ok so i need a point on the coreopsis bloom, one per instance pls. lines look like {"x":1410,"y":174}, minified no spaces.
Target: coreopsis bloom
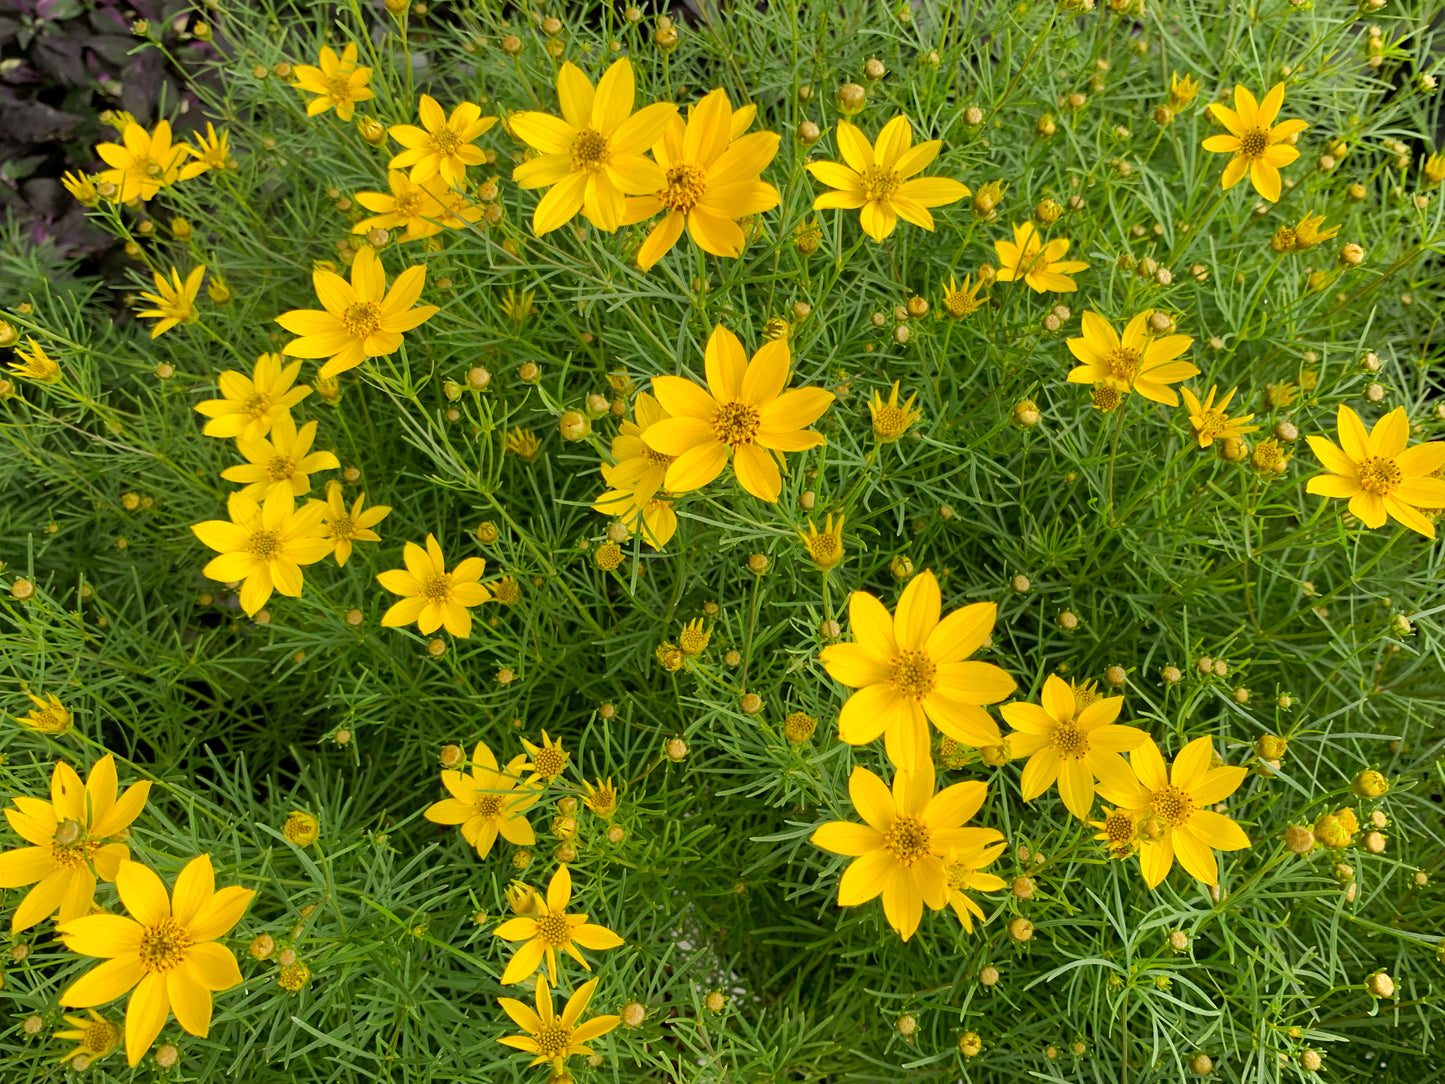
{"x":174,"y":301}
{"x":362,"y":318}
{"x":879,"y":179}
{"x":412,"y":207}
{"x":168,"y":951}
{"x":552,"y":1038}
{"x":93,"y":1038}
{"x":454,"y":209}
{"x":1135,"y":361}
{"x":1040,"y":265}
{"x":445,"y":147}
{"x":652,"y":516}
{"x":1259,"y":145}
{"x":1210,"y":421}
{"x":1119,"y":831}
{"x":211,"y":151}
{"x":487,"y":802}
{"x":1434,"y":169}
{"x":142,"y":163}
{"x":264,"y":545}
{"x":548,"y":759}
{"x":1070,"y":742}
{"x":1379,"y":475}
{"x":344,"y":527}
{"x":713,"y":177}
{"x":32,"y":361}
{"x":284,"y":460}
{"x":826,"y":548}
{"x":337,"y":82}
{"x":743,"y":413}
{"x":251,"y":404}
{"x":601,"y":799}
{"x":899,"y":851}
{"x":591,"y":156}
{"x":961,"y":301}
{"x":638,"y":466}
{"x":963,"y":869}
{"x":549,"y":928}
{"x":433,"y":596}
{"x":1182,"y":91}
{"x":82,"y":187}
{"x":912,"y":668}
{"x":49,"y":715}
{"x":891,"y":421}
{"x":67,"y":837}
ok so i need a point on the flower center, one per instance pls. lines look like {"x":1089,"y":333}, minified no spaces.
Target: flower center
{"x":1119,"y":827}
{"x":445,"y":141}
{"x":686,"y":184}
{"x":281,"y":467}
{"x":553,"y":1038}
{"x":408,"y":205}
{"x":1379,"y":474}
{"x":960,"y":305}
{"x":589,"y":150}
{"x":489,"y":805}
{"x":437,"y":589}
{"x":657,"y":459}
{"x":822,"y":546}
{"x":100,"y":1036}
{"x":1037,"y":262}
{"x":1123,"y":365}
{"x":1172,"y":805}
{"x":163,"y":946}
{"x":257,"y":404}
{"x":342,"y":527}
{"x":958,"y":875}
{"x":1069,"y":741}
{"x":1212,"y":424}
{"x":554,"y":930}
{"x":1253,"y":143}
{"x":879,"y":183}
{"x":264,"y":545}
{"x":146,"y":166}
{"x":907,"y":840}
{"x":913,"y":674}
{"x":361,"y":318}
{"x":549,"y":762}
{"x":72,"y":855}
{"x":338,"y":87}
{"x":736,"y":423}
{"x":604,"y":800}
{"x":889,"y":421}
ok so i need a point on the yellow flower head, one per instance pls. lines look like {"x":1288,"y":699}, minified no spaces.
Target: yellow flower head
{"x":693,"y":639}
{"x":891,"y":421}
{"x":174,"y":301}
{"x":301,"y":828}
{"x":1119,"y":830}
{"x":49,"y":716}
{"x":93,"y":1038}
{"x":601,"y":799}
{"x":1379,"y":475}
{"x":552,"y":1038}
{"x":961,"y":301}
{"x":345,"y":527}
{"x":433,"y":596}
{"x":32,"y":361}
{"x":1040,"y":265}
{"x":284,"y":460}
{"x":1135,"y":361}
{"x":445,"y":147}
{"x":522,"y":443}
{"x":879,"y":179}
{"x":650,"y":516}
{"x":638,"y":466}
{"x":1259,"y":145}
{"x":336,"y":82}
{"x":591,"y":156}
{"x":1307,"y":232}
{"x":412,"y":207}
{"x":142,"y":163}
{"x":550,"y":928}
{"x":264,"y":545}
{"x":1434,"y":169}
{"x":744,"y":413}
{"x":487,"y":802}
{"x":548,"y":760}
{"x":251,"y":404}
{"x":82,"y":187}
{"x":963,"y":869}
{"x":211,"y":151}
{"x":167,"y":951}
{"x":1182,"y":91}
{"x":825,"y":549}
{"x":517,"y":305}
{"x":1210,"y":422}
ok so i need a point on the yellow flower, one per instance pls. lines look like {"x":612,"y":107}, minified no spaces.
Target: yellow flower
{"x":251,"y":404}
{"x":94,"y":1038}
{"x":343,"y":527}
{"x":744,"y":412}
{"x":910,"y":670}
{"x":1307,"y":232}
{"x":825,"y":549}
{"x":1135,"y":361}
{"x":264,"y":545}
{"x":212,"y":151}
{"x":1120,"y":830}
{"x":522,"y":443}
{"x":168,"y":951}
{"x":550,"y":928}
{"x":962,"y":868}
{"x":1041,"y":266}
{"x":900,"y":849}
{"x":591,"y":156}
{"x":142,"y":163}
{"x":434,"y":596}
{"x":1175,"y":820}
{"x":1210,"y":422}
{"x":517,"y":305}
{"x":1182,"y":91}
{"x":446,"y":146}
{"x":1258,"y":144}
{"x":713,"y":177}
{"x":548,"y":759}
{"x":879,"y":179}
{"x":891,"y":421}
{"x":82,"y":187}
{"x":961,"y":301}
{"x":454,"y":208}
{"x":638,"y":466}
{"x":1434,"y":169}
{"x":554,"y":1039}
{"x":650,"y":516}
{"x":362,"y":318}
{"x":601,"y":799}
{"x":32,"y":361}
{"x":1378,"y":474}
{"x":487,"y":802}
{"x":66,"y":836}
{"x":174,"y":301}
{"x":50,"y":716}
{"x":1070,"y":742}
{"x":412,"y":206}
{"x":285,"y":461}
{"x":336,"y":82}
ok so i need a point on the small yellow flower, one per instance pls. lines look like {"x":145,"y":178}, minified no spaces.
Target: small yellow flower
{"x":552,"y":1038}
{"x":264,"y":545}
{"x":963,"y":869}
{"x":638,"y":467}
{"x":1434,"y":169}
{"x":549,"y":759}
{"x":1307,"y":232}
{"x":412,"y":207}
{"x":50,"y":716}
{"x":251,"y":404}
{"x":1182,"y":91}
{"x":345,"y":527}
{"x":445,"y":147}
{"x":337,"y":83}
{"x":1119,"y":830}
{"x":174,"y":301}
{"x":433,"y":596}
{"x":826,"y":549}
{"x":961,"y":301}
{"x":601,"y":799}
{"x":142,"y":163}
{"x":1040,"y":265}
{"x":93,"y":1038}
{"x":1210,"y":422}
{"x":549,"y":928}
{"x":522,"y":443}
{"x":32,"y":361}
{"x":301,"y":828}
{"x":1259,"y":145}
{"x":1135,"y":361}
{"x":82,"y":187}
{"x":693,"y":639}
{"x":891,"y":421}
{"x":487,"y":802}
{"x":211,"y":151}
{"x":1379,"y":475}
{"x":284,"y":460}
{"x":517,"y":307}
{"x":650,"y":516}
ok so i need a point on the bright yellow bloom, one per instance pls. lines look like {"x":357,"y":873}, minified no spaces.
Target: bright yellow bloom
{"x":251,"y":404}
{"x":345,"y":527}
{"x":743,"y":413}
{"x":554,"y":1038}
{"x":1040,"y":265}
{"x":1258,"y":144}
{"x":67,"y":841}
{"x":174,"y":301}
{"x":550,"y":928}
{"x":1071,"y":742}
{"x":1175,"y":820}
{"x":901,"y":847}
{"x":487,"y":802}
{"x":1378,"y":474}
{"x":548,"y":759}
{"x":434,"y":596}
{"x":1120,"y":830}
{"x":713,"y":177}
{"x":414,"y":207}
{"x":1135,"y":361}
{"x":963,"y":868}
{"x":601,"y":799}
{"x":591,"y":156}
{"x":1182,"y":91}
{"x":49,"y":716}
{"x":264,"y":545}
{"x":1434,"y":169}
{"x":650,"y":516}
{"x":362,"y":319}
{"x":336,"y":82}
{"x":94,"y":1038}
{"x":911,"y":669}
{"x":32,"y":361}
{"x":211,"y":151}
{"x":638,"y":466}
{"x":825,"y":549}
{"x":282,"y":461}
{"x":879,"y":179}
{"x":82,"y":187}
{"x":1210,"y":422}
{"x":167,"y":951}
{"x":962,"y":301}
{"x":143,"y":163}
{"x":891,"y":421}
{"x":1307,"y":232}
{"x":446,"y":146}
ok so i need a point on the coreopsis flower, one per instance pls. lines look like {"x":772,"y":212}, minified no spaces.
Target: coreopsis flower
{"x":638,"y":466}
{"x":552,"y":1038}
{"x":67,"y":837}
{"x":446,"y":146}
{"x":548,"y":760}
{"x":963,"y":869}
{"x":409,"y":206}
{"x":961,"y":301}
{"x":32,"y":361}
{"x":168,"y":951}
{"x":1182,"y":91}
{"x":601,"y":799}
{"x":455,"y":210}
{"x":911,"y":668}
{"x":591,"y":156}
{"x":550,"y":928}
{"x":880,"y":179}
{"x":1070,"y":742}
{"x":487,"y":802}
{"x":93,"y":1038}
{"x":743,"y":413}
{"x":826,"y":548}
{"x":713,"y":177}
{"x":264,"y":545}
{"x":1307,"y":232}
{"x":1136,"y":361}
{"x":652,"y":516}
{"x":1040,"y":265}
{"x":1119,"y":831}
{"x":900,"y":848}
{"x":344,"y":527}
{"x":283,"y":460}
{"x":891,"y":421}
{"x":337,"y":82}
{"x":82,"y":187}
{"x":1259,"y":145}
{"x":174,"y":300}
{"x":362,"y":318}
{"x":1210,"y":421}
{"x":251,"y":404}
{"x":433,"y":596}
{"x":211,"y":151}
{"x":1434,"y":169}
{"x":1379,"y":475}
{"x":142,"y":163}
{"x":49,"y":716}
